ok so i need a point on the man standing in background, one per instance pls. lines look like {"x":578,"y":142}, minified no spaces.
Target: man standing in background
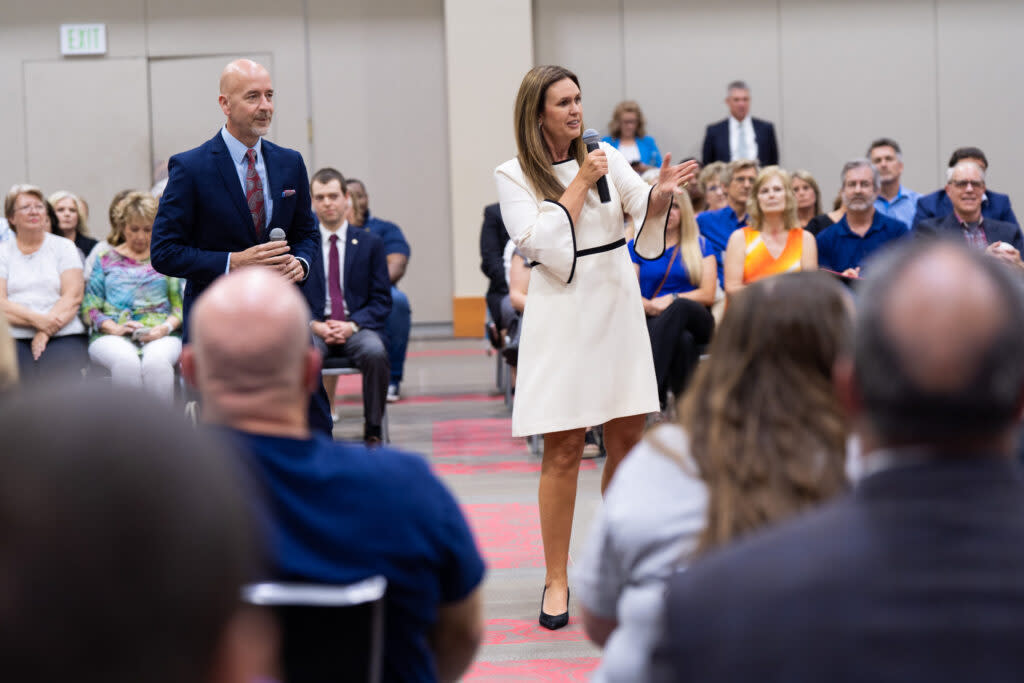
{"x":740,"y":136}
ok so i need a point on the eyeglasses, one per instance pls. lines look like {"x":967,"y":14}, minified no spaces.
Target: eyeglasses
{"x":29,"y":208}
{"x":964,"y":184}
{"x":715,"y":188}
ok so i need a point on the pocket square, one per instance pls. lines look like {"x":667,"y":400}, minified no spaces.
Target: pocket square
{"x":288,"y":193}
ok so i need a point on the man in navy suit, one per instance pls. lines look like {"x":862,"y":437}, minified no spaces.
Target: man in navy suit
{"x":965,"y":188}
{"x":740,"y":136}
{"x":918,"y":574}
{"x":938,"y":204}
{"x":224,"y":197}
{"x":352,"y":316}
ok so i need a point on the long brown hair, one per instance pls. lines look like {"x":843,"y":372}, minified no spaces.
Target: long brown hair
{"x":534,"y":158}
{"x":789,"y":219}
{"x":630,"y":106}
{"x":765,"y":427}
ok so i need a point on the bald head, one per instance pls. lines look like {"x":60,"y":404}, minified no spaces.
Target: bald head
{"x":247,"y":100}
{"x":237,"y":72}
{"x":936,"y":345}
{"x":251,"y":345}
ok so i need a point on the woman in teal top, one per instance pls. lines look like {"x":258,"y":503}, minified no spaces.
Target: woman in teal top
{"x":627,"y":132}
{"x":134,"y":311}
{"x":677,"y":289}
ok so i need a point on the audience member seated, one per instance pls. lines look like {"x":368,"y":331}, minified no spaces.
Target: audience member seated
{"x":677,"y":290}
{"x":358,"y":298}
{"x":843,"y":246}
{"x":127,"y":538}
{"x":717,"y":226}
{"x":695,"y":189}
{"x":965,"y":188}
{"x":773,"y":243}
{"x":513,"y":305}
{"x":134,"y":311}
{"x":396,"y":250}
{"x":808,"y":197}
{"x":71,"y":222}
{"x":5,"y":230}
{"x":824,"y":220}
{"x":627,"y":132}
{"x":740,"y":136}
{"x":919,"y":574}
{"x":103,"y":246}
{"x":938,"y":204}
{"x":41,"y":289}
{"x":493,"y":238}
{"x":337,"y":512}
{"x":761,"y":438}
{"x":893,"y":200}
{"x":711,"y":181}
{"x":8,"y":358}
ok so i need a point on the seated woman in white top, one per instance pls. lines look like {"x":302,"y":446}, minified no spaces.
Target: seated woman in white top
{"x":691,"y":487}
{"x":41,"y":288}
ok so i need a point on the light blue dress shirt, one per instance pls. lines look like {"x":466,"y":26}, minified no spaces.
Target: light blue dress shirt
{"x":237,"y":151}
{"x":902,"y":207}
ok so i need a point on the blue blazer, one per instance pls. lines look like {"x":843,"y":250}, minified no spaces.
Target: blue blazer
{"x":364,"y":280}
{"x":716,"y":142}
{"x":995,"y":230}
{"x":203,"y":214}
{"x":648,"y":148}
{"x":939,"y":205}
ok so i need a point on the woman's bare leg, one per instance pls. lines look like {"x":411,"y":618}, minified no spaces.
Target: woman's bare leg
{"x":620,"y":435}
{"x":557,"y":500}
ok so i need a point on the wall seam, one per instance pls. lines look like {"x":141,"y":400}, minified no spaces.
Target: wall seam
{"x":778,"y":35}
{"x":938,"y":91}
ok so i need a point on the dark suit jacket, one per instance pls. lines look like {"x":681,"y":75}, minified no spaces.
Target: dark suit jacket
{"x":939,"y":205}
{"x":203,"y":214}
{"x":493,"y":238}
{"x":995,"y":231}
{"x":916,"y":576}
{"x":364,"y":280}
{"x":716,"y":142}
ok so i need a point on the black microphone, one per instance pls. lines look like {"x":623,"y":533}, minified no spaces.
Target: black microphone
{"x":277,"y":235}
{"x":591,"y":138}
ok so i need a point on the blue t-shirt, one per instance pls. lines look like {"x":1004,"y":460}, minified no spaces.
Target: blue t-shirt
{"x":717,"y":226}
{"x":339,"y":513}
{"x":389,"y":233}
{"x":840,"y":248}
{"x":651,"y":272}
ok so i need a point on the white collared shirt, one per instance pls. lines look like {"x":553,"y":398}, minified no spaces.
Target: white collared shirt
{"x":325,"y":242}
{"x":744,"y":128}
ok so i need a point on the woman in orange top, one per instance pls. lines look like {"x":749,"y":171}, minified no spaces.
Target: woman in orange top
{"x":774,"y":242}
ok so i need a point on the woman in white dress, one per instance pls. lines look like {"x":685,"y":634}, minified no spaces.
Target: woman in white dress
{"x":584,"y":356}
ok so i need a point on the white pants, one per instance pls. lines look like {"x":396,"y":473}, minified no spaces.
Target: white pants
{"x":154,"y":371}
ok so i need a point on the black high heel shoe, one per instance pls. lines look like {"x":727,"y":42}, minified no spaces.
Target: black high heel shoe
{"x":553,"y":622}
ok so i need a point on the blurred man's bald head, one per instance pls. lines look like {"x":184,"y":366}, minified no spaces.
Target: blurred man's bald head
{"x":936,"y":348}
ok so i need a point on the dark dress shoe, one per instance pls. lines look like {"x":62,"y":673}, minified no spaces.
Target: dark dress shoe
{"x":553,"y":622}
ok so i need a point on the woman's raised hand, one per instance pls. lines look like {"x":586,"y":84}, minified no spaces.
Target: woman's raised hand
{"x":594,"y":166}
{"x":672,"y":178}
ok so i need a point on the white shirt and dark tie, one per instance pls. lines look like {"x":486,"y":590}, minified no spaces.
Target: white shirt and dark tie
{"x":742,"y":141}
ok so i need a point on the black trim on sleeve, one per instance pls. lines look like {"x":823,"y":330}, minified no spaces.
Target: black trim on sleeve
{"x":572,"y":231}
{"x":636,"y":239}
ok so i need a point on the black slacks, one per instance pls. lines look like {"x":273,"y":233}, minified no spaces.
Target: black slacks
{"x":676,"y":338}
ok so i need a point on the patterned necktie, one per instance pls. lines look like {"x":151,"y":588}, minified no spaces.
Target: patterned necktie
{"x":254,"y":193}
{"x":334,"y":281}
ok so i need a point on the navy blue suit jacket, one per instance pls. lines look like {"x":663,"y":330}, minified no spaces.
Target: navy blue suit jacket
{"x":918,"y":575}
{"x":203,"y":214}
{"x":939,"y":205}
{"x":364,"y":280}
{"x":716,"y":142}
{"x":995,"y":231}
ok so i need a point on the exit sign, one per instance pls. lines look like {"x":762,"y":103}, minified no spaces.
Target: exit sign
{"x":83,"y":39}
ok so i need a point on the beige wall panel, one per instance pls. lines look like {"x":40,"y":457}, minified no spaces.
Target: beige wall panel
{"x":980,"y":64}
{"x":585,"y":36}
{"x":681,"y":54}
{"x":848,"y":77}
{"x":379,"y":114}
{"x":195,"y":28}
{"x":90,"y":148}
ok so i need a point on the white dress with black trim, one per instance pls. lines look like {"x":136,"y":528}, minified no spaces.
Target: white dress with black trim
{"x":584,"y":353}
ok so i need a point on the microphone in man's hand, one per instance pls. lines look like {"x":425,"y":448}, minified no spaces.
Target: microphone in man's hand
{"x":591,"y":138}
{"x":277,"y":235}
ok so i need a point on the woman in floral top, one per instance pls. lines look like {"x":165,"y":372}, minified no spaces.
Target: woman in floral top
{"x":135,"y":312}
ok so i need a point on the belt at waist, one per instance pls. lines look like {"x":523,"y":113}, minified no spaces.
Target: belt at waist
{"x":593,"y":250}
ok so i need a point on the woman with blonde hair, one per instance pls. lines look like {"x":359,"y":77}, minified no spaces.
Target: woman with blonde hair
{"x":715,"y":196}
{"x":677,"y":290}
{"x":71,"y":221}
{"x":584,"y":352}
{"x":773,"y":242}
{"x":627,"y":132}
{"x":760,"y":438}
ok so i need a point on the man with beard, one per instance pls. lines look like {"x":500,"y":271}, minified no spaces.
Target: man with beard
{"x":224,"y":198}
{"x":843,"y":246}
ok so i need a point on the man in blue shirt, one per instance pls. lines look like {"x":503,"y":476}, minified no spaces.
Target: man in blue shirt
{"x":843,"y":246}
{"x":717,"y":226}
{"x":335,"y":512}
{"x":893,"y":199}
{"x":397,"y":250}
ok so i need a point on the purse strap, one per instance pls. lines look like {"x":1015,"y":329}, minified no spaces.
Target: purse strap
{"x":664,"y":277}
